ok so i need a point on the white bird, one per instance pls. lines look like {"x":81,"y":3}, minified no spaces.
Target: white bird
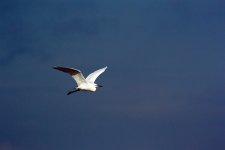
{"x":82,"y":83}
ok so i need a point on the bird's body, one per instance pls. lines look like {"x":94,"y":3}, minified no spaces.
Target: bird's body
{"x":88,"y":86}
{"x":82,"y":83}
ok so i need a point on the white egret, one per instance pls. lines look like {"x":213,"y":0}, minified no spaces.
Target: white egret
{"x":82,"y":83}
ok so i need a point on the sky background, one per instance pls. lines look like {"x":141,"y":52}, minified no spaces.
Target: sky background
{"x":164,"y":88}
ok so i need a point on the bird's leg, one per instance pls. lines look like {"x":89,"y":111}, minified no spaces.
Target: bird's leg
{"x":70,"y":92}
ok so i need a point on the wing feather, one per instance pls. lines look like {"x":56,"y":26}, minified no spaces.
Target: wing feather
{"x":93,"y":76}
{"x":76,"y":74}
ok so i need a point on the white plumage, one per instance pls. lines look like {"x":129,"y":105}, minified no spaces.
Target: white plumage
{"x":82,"y":83}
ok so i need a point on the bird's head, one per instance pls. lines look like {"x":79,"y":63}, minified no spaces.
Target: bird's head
{"x":97,"y":85}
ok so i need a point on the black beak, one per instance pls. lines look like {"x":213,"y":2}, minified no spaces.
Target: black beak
{"x":100,"y":85}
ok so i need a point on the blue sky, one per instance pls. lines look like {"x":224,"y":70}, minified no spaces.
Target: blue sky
{"x":163,"y":89}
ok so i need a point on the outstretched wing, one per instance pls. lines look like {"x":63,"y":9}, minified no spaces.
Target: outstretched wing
{"x":93,"y":76}
{"x":76,"y":74}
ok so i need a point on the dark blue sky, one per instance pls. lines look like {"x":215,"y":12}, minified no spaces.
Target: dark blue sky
{"x":164,"y":88}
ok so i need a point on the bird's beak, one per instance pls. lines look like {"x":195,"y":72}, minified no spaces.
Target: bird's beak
{"x":100,"y":85}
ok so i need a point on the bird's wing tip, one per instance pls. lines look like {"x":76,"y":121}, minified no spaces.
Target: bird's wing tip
{"x":55,"y":67}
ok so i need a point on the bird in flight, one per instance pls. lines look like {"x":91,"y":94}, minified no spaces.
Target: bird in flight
{"x":82,"y":83}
